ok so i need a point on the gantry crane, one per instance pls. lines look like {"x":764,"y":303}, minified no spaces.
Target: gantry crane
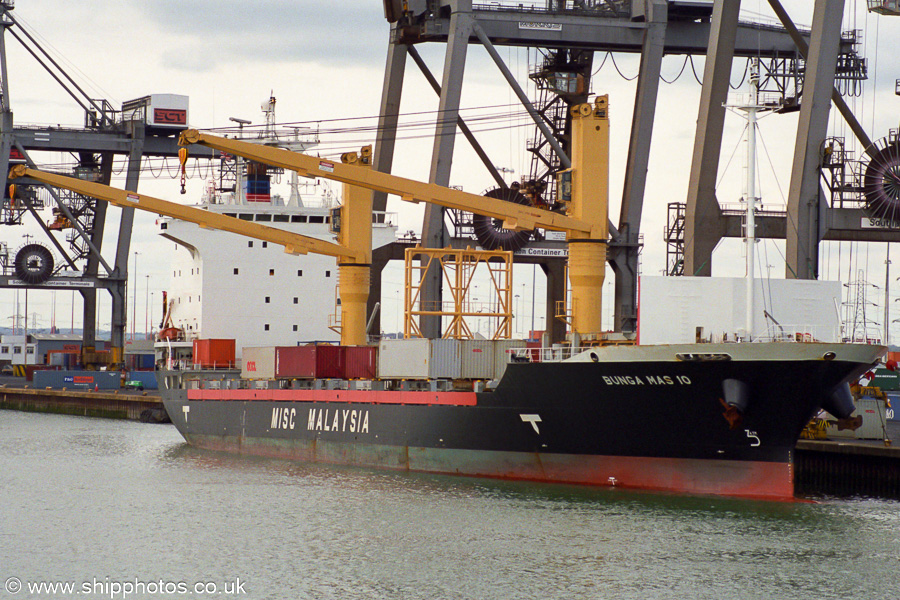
{"x":586,"y":222}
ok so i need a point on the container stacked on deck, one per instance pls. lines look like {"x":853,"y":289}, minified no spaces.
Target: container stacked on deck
{"x":412,"y":359}
{"x":214,"y":353}
{"x":421,"y":358}
{"x":309,"y":362}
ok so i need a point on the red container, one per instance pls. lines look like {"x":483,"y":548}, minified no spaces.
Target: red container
{"x":329,"y":362}
{"x":360,"y":362}
{"x":30,"y":370}
{"x":214,"y":353}
{"x":295,"y":361}
{"x":309,"y":362}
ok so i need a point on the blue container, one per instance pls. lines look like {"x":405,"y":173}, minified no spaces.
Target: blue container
{"x":147,"y":362}
{"x":257,"y":187}
{"x":78,"y":380}
{"x":892,"y":412}
{"x":147,"y":378}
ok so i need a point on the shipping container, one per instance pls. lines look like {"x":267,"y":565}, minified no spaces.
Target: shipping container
{"x":419,"y":358}
{"x":886,"y":379}
{"x":874,"y":417}
{"x":477,"y":359}
{"x":30,"y":370}
{"x":503,"y":350}
{"x":329,"y":362}
{"x":892,"y":412}
{"x":169,"y":111}
{"x":147,"y":378}
{"x":214,"y":353}
{"x":403,"y":359}
{"x":147,"y":362}
{"x":310,"y":362}
{"x":295,"y":361}
{"x":258,"y":362}
{"x":75,"y":380}
{"x":360,"y":362}
{"x":873,"y":412}
{"x":63,"y":359}
{"x":444,"y":359}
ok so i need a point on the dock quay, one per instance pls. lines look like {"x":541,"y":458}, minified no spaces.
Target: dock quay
{"x":849,"y":468}
{"x":141,"y":406}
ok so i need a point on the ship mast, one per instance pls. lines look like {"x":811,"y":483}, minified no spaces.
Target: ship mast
{"x":751,"y":108}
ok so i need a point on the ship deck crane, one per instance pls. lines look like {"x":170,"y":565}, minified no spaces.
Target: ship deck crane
{"x":586,"y":222}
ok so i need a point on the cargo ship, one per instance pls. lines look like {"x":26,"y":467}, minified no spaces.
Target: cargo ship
{"x":700,"y":418}
{"x":705,"y":418}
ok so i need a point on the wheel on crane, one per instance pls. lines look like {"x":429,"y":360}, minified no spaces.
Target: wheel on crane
{"x":881,"y":179}
{"x":490,"y":232}
{"x":33,"y":263}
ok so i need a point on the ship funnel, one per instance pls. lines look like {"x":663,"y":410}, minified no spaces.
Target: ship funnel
{"x":840,"y":402}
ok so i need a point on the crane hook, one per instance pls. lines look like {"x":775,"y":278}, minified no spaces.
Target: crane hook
{"x":182,"y":158}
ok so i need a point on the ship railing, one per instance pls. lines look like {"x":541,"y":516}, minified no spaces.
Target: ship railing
{"x":799,"y":334}
{"x":556,"y":353}
{"x":384,"y":219}
{"x":188,"y":365}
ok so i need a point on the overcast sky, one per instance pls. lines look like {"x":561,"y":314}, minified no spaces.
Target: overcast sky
{"x":325,"y":61}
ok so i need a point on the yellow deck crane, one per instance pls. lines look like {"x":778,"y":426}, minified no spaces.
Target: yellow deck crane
{"x":586,"y":223}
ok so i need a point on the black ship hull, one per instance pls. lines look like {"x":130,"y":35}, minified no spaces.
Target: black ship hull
{"x":661,"y":420}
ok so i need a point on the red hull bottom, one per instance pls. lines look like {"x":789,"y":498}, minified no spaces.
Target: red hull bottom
{"x":750,"y":479}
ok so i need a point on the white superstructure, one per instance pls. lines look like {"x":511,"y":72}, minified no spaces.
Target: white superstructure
{"x":228,"y":286}
{"x":673,"y":308}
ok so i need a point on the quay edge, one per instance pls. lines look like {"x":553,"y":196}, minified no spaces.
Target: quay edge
{"x":109,"y":405}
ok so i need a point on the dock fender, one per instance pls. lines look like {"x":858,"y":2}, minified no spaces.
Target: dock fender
{"x":840,"y":402}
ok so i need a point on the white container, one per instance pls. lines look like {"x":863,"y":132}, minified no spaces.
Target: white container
{"x":258,"y":363}
{"x":403,"y":359}
{"x":158,"y":110}
{"x":502,"y":351}
{"x":477,"y":359}
{"x":419,"y":358}
{"x":874,"y":417}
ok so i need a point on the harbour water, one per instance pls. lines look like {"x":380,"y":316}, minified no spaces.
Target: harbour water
{"x":118,"y":509}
